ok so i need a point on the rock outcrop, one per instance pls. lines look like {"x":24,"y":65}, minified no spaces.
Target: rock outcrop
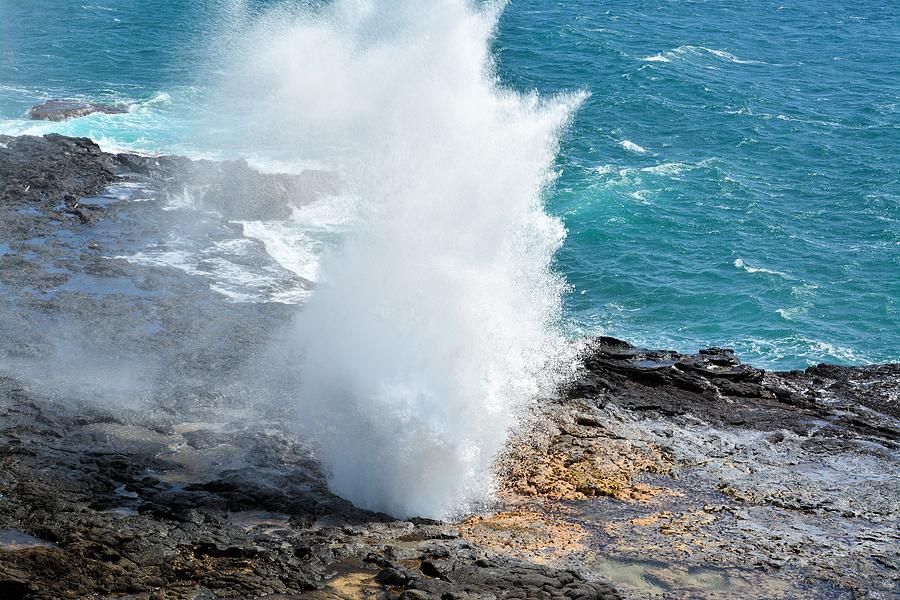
{"x":165,"y":474}
{"x":63,"y":110}
{"x":704,"y":474}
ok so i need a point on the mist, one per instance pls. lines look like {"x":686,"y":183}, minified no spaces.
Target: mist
{"x":435,"y":323}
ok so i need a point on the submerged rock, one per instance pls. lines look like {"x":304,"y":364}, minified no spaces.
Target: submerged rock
{"x":63,"y":110}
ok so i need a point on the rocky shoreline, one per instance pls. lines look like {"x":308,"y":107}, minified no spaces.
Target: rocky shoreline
{"x":657,"y":474}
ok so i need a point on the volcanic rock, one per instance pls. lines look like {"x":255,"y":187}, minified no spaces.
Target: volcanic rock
{"x":63,"y":110}
{"x":652,"y":474}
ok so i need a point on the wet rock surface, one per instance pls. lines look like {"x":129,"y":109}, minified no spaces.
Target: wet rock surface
{"x":145,"y":453}
{"x":699,"y":476}
{"x":162,"y":511}
{"x":63,"y":110}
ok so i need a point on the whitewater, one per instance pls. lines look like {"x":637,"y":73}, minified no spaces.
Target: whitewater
{"x":436,"y":322}
{"x":512,"y":176}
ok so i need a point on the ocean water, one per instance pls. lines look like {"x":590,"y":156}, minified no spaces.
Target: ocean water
{"x":732,"y":177}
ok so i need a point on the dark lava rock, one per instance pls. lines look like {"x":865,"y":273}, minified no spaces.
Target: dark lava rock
{"x":194,"y":491}
{"x":108,"y":542}
{"x":63,"y":110}
{"x":55,"y":169}
{"x":784,"y":484}
{"x":181,"y":485}
{"x":716,"y":386}
{"x":45,"y":170}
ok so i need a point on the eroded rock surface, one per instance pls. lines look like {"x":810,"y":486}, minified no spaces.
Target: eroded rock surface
{"x":145,"y":447}
{"x":48,"y":169}
{"x":159,"y":510}
{"x":703,"y":476}
{"x":145,"y":452}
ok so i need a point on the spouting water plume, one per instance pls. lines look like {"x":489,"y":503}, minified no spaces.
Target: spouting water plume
{"x":435,"y":324}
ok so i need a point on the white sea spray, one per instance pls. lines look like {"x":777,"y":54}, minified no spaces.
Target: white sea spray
{"x":436,"y":322}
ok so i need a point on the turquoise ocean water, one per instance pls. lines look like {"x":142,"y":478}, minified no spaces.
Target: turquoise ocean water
{"x":732,"y":180}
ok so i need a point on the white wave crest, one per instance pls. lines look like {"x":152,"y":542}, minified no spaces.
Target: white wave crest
{"x":740,"y":264}
{"x":632,"y":147}
{"x":668,"y":169}
{"x":682,"y":52}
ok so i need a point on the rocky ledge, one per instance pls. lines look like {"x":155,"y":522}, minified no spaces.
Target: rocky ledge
{"x":164,"y":474}
{"x":697,"y":475}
